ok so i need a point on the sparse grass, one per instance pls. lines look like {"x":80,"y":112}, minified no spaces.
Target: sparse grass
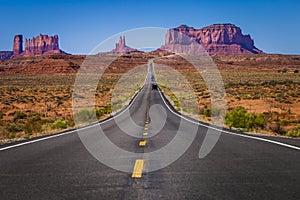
{"x":32,"y":102}
{"x":37,"y":103}
{"x":261,"y":87}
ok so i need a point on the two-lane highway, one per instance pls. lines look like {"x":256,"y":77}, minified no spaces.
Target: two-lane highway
{"x":237,"y":168}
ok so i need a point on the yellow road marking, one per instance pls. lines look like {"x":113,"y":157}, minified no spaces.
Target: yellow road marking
{"x":145,"y":134}
{"x":146,"y":128}
{"x":146,"y":124}
{"x":138,"y":169}
{"x":142,"y":143}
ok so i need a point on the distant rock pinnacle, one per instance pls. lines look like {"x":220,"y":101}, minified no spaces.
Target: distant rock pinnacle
{"x":121,"y":47}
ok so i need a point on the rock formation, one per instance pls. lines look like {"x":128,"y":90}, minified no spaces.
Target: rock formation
{"x":215,"y":39}
{"x":121,"y":47}
{"x":18,"y":45}
{"x":42,"y":44}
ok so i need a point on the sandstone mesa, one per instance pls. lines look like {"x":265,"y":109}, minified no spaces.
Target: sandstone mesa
{"x":217,"y":39}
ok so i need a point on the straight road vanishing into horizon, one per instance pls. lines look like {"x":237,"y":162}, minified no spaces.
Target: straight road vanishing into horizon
{"x":238,"y":167}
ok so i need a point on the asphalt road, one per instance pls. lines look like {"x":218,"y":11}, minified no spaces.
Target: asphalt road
{"x":238,"y":167}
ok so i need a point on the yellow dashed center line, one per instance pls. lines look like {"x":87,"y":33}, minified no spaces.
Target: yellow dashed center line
{"x":139,"y":164}
{"x":138,"y":169}
{"x":143,"y":143}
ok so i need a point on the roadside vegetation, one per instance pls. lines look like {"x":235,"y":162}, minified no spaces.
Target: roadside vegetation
{"x":35,"y":104}
{"x":260,"y":95}
{"x":240,"y":118}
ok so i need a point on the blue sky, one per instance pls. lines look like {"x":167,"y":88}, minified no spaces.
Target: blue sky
{"x":81,"y":25}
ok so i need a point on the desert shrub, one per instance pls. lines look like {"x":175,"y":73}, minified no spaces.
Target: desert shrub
{"x":19,"y":115}
{"x":259,"y":120}
{"x":294,"y":133}
{"x":11,"y":136}
{"x":3,"y":132}
{"x":85,"y":116}
{"x":1,"y":114}
{"x":99,"y":113}
{"x":46,"y":127}
{"x":34,"y":117}
{"x":14,"y":127}
{"x":284,"y":122}
{"x":212,"y":112}
{"x":175,"y":100}
{"x":207,"y":112}
{"x":33,"y":124}
{"x":59,"y":124}
{"x":107,"y":109}
{"x":229,"y":85}
{"x":177,"y":104}
{"x":240,"y":118}
{"x":103,"y":111}
{"x":277,"y":128}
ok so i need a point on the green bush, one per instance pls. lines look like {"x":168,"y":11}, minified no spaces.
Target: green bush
{"x":107,"y":109}
{"x":99,"y":112}
{"x":240,"y":118}
{"x":294,"y":133}
{"x":103,"y":111}
{"x":176,"y":101}
{"x":207,"y":112}
{"x":59,"y":124}
{"x":260,"y":120}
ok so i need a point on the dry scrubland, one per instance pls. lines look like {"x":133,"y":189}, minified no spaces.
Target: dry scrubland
{"x":36,"y":92}
{"x":262,"y":91}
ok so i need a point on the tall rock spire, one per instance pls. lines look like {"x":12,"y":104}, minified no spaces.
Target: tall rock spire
{"x":122,"y":48}
{"x":18,"y":45}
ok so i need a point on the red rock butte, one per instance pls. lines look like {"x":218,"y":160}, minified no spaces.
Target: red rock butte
{"x":216,"y":39}
{"x":40,"y":45}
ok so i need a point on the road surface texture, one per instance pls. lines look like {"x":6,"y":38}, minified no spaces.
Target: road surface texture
{"x":238,"y":167}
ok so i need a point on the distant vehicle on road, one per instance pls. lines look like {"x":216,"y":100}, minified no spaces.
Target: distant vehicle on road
{"x":154,"y":86}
